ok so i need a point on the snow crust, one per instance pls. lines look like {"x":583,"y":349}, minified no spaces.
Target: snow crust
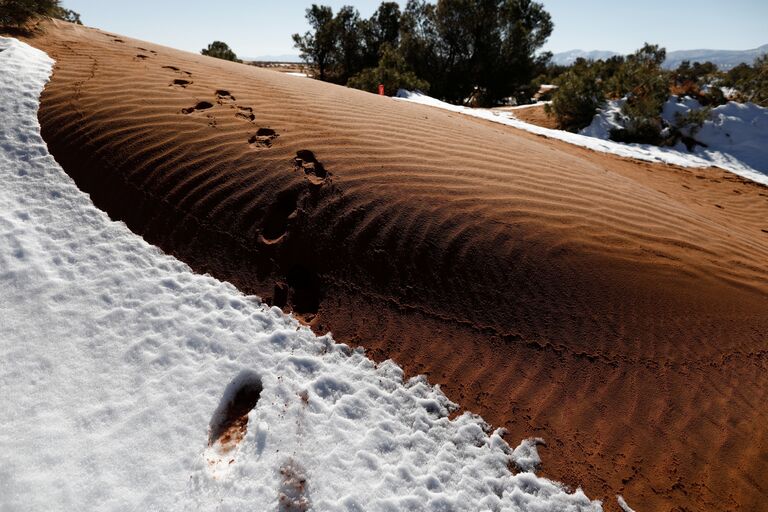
{"x":742,"y":151}
{"x":117,"y":361}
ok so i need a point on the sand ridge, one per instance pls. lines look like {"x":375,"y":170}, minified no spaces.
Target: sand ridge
{"x":618,"y":309}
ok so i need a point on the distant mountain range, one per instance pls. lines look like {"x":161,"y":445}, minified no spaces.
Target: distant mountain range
{"x":725,"y":59}
{"x":569,"y":57}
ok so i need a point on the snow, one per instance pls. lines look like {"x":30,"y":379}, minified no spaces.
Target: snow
{"x":736,"y":133}
{"x":526,"y":456}
{"x":119,"y":363}
{"x":623,"y":504}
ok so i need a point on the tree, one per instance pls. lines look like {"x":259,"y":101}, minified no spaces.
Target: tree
{"x":646,"y":88}
{"x":15,"y":13}
{"x":524,"y":28}
{"x":317,"y":46}
{"x":66,"y":15}
{"x":348,"y":48}
{"x":419,"y":41}
{"x":220,"y":50}
{"x":392,"y":72}
{"x":484,"y":48}
{"x":380,"y":29}
{"x":578,"y":97}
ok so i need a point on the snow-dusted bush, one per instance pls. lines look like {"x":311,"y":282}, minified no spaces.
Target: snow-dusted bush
{"x":645,"y":85}
{"x":577,"y":99}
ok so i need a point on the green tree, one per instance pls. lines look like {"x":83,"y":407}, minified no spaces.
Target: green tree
{"x":485,"y":48}
{"x":382,"y":27}
{"x":392,"y":72}
{"x":349,"y":43}
{"x":15,"y":13}
{"x":220,"y":50}
{"x":317,"y":46}
{"x":646,"y":87}
{"x":524,"y":26}
{"x":419,"y":42}
{"x":578,"y":97}
{"x":66,"y":15}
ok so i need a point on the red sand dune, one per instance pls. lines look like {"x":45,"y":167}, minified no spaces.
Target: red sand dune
{"x":618,"y":309}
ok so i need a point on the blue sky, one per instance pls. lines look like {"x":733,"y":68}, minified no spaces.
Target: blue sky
{"x":257,"y":27}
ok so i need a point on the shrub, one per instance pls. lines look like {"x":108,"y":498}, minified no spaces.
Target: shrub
{"x":687,"y":125}
{"x":392,"y":72}
{"x":577,"y":99}
{"x":646,"y":87}
{"x":712,"y":96}
{"x":755,"y":87}
{"x":15,"y":13}
{"x":220,"y":50}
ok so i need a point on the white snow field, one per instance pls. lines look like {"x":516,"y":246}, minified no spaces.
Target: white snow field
{"x":735,"y":135}
{"x":116,"y":361}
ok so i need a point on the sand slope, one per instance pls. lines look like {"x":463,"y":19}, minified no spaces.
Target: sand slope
{"x":617,"y":309}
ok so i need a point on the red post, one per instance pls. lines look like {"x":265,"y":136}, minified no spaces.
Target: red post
{"x":381,"y":89}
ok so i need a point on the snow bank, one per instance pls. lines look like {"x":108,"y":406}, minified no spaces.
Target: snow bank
{"x":737,"y":132}
{"x":119,"y":365}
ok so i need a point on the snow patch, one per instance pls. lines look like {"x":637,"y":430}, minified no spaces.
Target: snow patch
{"x":526,"y":456}
{"x":623,"y":504}
{"x":734,"y":135}
{"x":120,"y":366}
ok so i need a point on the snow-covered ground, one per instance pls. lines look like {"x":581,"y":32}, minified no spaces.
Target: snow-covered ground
{"x":117,"y":362}
{"x":736,"y":136}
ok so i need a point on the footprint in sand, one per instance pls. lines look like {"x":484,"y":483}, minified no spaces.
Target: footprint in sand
{"x":229,"y":422}
{"x":263,"y":138}
{"x":180,"y":83}
{"x":174,"y":68}
{"x":223,"y":96}
{"x":201,"y":105}
{"x":278,"y":216}
{"x":314,"y":171}
{"x":141,"y":56}
{"x":245,"y":113}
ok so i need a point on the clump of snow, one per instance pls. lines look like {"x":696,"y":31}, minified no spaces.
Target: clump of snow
{"x":623,"y":504}
{"x":741,"y":152}
{"x":119,"y":364}
{"x":526,"y":456}
{"x":733,"y":137}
